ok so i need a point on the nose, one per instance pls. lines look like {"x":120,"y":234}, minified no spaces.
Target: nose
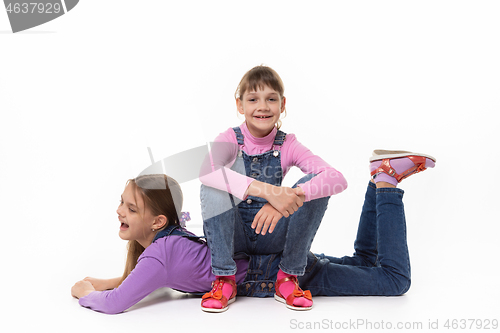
{"x":263,"y":105}
{"x":118,"y":210}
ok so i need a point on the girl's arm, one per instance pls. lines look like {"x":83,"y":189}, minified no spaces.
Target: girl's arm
{"x":89,"y":284}
{"x":148,"y":275}
{"x":285,"y":200}
{"x":328,"y":181}
{"x":215,"y":171}
{"x":267,"y":218}
{"x":103,"y":284}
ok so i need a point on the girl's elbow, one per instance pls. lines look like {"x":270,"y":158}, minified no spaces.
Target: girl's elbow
{"x":344,"y":184}
{"x":340,"y":183}
{"x":111,"y":310}
{"x":103,"y":306}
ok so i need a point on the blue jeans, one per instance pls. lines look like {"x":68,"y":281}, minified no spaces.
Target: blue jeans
{"x":229,"y":233}
{"x":380,"y":265}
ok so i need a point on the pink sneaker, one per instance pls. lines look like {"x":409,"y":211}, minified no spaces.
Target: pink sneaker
{"x":404,"y":163}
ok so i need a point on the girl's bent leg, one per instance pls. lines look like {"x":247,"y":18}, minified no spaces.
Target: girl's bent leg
{"x":301,"y":229}
{"x":293,"y":235}
{"x":221,"y":229}
{"x":393,"y":253}
{"x":365,"y":245}
{"x":390,"y":277}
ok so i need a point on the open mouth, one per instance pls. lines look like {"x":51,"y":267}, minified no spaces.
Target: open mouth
{"x":262,"y":117}
{"x":123,"y":226}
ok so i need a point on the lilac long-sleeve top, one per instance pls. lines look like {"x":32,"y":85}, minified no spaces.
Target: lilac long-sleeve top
{"x":328,"y":181}
{"x":174,"y":261}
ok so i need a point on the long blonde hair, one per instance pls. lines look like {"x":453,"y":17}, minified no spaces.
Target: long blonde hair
{"x":162,"y":195}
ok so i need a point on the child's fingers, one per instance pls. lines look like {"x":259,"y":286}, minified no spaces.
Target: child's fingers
{"x":267,"y":223}
{"x":293,"y":208}
{"x":263,"y":225}
{"x":266,"y":219}
{"x":256,"y":220}
{"x":273,"y":225}
{"x":299,"y":191}
{"x":283,"y":212}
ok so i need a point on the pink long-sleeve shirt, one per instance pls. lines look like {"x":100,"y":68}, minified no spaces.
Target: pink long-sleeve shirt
{"x":218,"y":174}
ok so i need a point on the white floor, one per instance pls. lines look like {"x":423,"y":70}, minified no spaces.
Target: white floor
{"x":84,"y":96}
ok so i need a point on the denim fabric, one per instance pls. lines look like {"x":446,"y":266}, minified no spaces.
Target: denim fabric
{"x":380,"y":265}
{"x":177,"y":230}
{"x":262,"y":272}
{"x":229,"y":232}
{"x":261,"y":276}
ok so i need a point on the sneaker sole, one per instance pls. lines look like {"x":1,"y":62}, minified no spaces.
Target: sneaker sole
{"x":381,"y":154}
{"x":214,"y":310}
{"x":296,"y":308}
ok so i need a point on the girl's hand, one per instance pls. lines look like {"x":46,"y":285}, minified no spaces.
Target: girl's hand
{"x":268,"y":216}
{"x":286,"y":200}
{"x":82,"y":289}
{"x":265,"y":219}
{"x":103,"y":284}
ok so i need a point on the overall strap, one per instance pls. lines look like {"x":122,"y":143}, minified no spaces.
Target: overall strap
{"x":176,"y":230}
{"x":166,"y":232}
{"x":279,"y":139}
{"x":239,"y":135}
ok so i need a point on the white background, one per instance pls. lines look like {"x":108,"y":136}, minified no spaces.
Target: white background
{"x":83,"y":96}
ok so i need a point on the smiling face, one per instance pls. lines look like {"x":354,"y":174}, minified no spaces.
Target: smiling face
{"x":262,"y":109}
{"x":136,"y":220}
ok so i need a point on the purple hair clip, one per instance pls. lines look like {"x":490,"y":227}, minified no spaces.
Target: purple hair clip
{"x":184,"y":218}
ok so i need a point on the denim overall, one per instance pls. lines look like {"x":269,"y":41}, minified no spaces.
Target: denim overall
{"x":176,"y":230}
{"x":229,"y":233}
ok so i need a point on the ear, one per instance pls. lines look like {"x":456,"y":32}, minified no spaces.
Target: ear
{"x":283,"y":103}
{"x":239,"y":106}
{"x":159,"y":222}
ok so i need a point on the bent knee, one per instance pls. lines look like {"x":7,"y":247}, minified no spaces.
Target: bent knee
{"x":402,"y":286}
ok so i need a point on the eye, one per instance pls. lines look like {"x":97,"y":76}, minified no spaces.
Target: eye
{"x":133,"y":211}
